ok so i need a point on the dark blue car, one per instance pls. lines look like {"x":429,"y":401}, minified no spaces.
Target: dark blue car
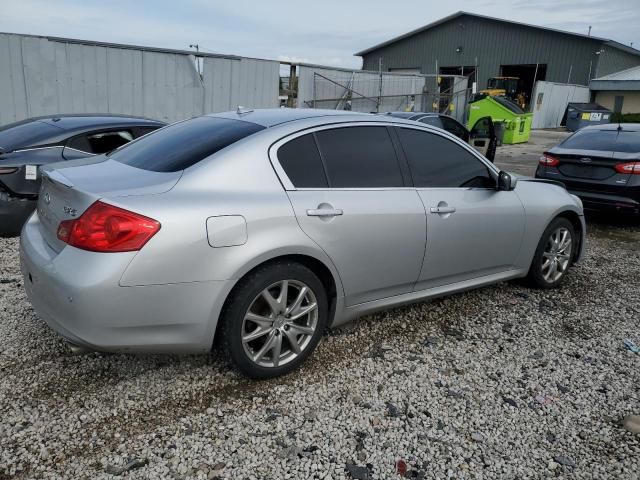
{"x":601,"y":165}
{"x":31,"y":143}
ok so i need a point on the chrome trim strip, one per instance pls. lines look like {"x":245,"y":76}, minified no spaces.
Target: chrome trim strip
{"x":36,"y":148}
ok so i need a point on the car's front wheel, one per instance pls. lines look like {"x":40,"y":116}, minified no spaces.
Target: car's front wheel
{"x":274,"y":319}
{"x":554,"y":254}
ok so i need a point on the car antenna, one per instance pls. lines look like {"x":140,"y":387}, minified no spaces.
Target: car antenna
{"x":240,"y":110}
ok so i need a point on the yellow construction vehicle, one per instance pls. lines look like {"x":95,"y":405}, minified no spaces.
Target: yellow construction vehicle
{"x":505,"y":87}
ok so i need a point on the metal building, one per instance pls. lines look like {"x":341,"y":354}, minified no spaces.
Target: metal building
{"x":619,"y":91}
{"x":49,"y":75}
{"x":481,"y":47}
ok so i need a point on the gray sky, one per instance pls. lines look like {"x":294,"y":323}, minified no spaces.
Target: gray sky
{"x":321,"y":31}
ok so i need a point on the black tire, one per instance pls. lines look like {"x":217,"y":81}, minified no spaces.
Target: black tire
{"x":535,"y":277}
{"x":242,"y":298}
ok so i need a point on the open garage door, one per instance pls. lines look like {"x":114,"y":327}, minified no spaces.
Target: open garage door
{"x":527,"y":75}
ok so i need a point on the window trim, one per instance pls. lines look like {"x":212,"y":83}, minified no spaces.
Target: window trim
{"x":401,"y":156}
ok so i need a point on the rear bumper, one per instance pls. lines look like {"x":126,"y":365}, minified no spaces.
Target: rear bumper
{"x":78,"y":294}
{"x":607,"y":202}
{"x":626,"y":199}
{"x":14,"y":212}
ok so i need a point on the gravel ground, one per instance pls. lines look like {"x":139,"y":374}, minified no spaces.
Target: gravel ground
{"x":503,"y":382}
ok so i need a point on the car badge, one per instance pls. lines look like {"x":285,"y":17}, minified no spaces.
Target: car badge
{"x":585,"y":160}
{"x":47,"y":198}
{"x":70,"y":211}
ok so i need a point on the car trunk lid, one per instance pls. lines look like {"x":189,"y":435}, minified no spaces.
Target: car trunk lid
{"x":67,"y":191}
{"x":592,"y":170}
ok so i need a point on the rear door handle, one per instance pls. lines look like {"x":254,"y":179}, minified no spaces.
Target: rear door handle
{"x":324,"y":212}
{"x":442,"y":209}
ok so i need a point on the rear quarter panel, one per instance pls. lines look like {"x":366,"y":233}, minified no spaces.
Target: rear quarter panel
{"x":238,"y":181}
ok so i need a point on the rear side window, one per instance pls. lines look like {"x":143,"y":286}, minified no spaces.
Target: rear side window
{"x":437,"y":162}
{"x":627,"y":141}
{"x":183,"y":144}
{"x":301,"y":161}
{"x":359,"y":157}
{"x":100,"y":142}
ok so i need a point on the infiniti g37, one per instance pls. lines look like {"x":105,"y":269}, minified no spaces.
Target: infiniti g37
{"x":262,"y":228}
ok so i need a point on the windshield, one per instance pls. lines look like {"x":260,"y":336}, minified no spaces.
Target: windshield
{"x":26,"y":134}
{"x":627,"y":141}
{"x":183,"y":144}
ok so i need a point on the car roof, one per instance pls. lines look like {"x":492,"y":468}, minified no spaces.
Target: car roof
{"x":634,"y":127}
{"x":412,"y":114}
{"x":269,"y":117}
{"x":50,"y":129}
{"x":76,"y":121}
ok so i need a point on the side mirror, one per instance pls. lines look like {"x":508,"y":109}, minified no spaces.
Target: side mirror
{"x":506,"y":182}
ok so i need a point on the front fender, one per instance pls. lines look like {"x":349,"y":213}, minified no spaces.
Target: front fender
{"x":542,"y":203}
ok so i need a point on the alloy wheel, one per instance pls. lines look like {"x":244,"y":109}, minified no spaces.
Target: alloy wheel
{"x":557,"y":255}
{"x":279,"y":324}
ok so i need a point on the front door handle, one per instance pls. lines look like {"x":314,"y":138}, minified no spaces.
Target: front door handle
{"x":441,"y":210}
{"x":324,"y":212}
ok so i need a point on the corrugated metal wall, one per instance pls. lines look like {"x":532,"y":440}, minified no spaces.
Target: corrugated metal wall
{"x":489,"y":44}
{"x":613,"y":60}
{"x":550,"y":102}
{"x":42,"y":76}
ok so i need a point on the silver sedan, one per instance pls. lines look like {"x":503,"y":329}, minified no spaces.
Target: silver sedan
{"x":262,"y":228}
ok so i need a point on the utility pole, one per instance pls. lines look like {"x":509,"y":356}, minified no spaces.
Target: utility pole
{"x":589,"y":34}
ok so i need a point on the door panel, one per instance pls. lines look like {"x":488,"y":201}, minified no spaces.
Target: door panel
{"x":375,"y":238}
{"x":483,"y":137}
{"x":470,"y":233}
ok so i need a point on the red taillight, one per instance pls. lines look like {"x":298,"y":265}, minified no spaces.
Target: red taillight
{"x":632,"y":167}
{"x":105,"y":228}
{"x":549,"y":160}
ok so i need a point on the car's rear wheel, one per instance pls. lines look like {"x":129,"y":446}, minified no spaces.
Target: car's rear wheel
{"x":274,"y":319}
{"x":554,"y":254}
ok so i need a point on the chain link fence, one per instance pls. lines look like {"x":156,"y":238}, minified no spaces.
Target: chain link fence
{"x":364,"y":91}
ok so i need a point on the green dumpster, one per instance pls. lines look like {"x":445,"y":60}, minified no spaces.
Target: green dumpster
{"x":517,"y":123}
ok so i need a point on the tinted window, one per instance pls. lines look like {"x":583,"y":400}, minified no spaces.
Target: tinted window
{"x":359,"y":157}
{"x":183,"y":144}
{"x":301,"y":161}
{"x":438,"y":162}
{"x":140,"y":131}
{"x":482,"y":128}
{"x":604,"y":140}
{"x":101,"y":142}
{"x":454,"y":127}
{"x":431,"y":120}
{"x":26,"y":134}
